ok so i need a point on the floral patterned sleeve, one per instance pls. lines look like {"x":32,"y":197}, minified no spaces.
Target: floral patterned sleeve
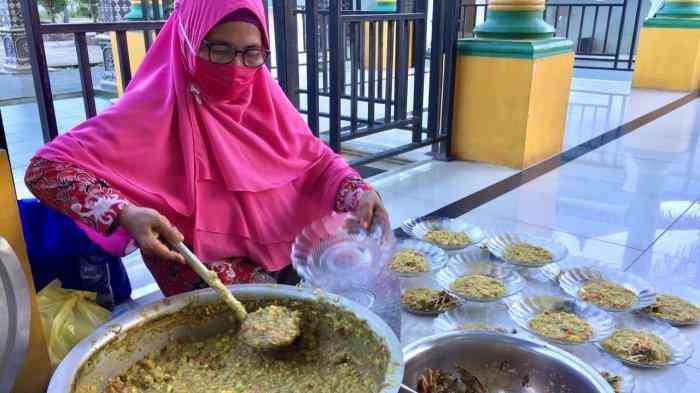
{"x":349,"y":193}
{"x":75,"y":192}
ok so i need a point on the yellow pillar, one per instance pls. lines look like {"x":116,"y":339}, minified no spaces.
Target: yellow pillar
{"x":382,"y":48}
{"x":35,"y":373}
{"x":512,"y":88}
{"x":669,"y":48}
{"x":136,"y":45}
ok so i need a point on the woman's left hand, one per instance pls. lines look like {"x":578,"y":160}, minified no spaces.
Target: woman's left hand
{"x":369,"y":209}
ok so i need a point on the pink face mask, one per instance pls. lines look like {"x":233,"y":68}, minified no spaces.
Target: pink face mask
{"x":223,"y":82}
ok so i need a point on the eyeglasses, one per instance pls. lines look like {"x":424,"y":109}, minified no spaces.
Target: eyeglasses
{"x":221,"y":53}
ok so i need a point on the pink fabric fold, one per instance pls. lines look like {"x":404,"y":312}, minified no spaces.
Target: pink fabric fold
{"x":239,"y":173}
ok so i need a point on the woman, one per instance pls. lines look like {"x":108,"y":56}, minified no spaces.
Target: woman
{"x":203,"y":147}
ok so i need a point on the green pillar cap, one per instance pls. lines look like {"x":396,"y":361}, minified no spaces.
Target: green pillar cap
{"x":687,"y":10}
{"x":514,"y":25}
{"x":136,"y":12}
{"x":388,"y":6}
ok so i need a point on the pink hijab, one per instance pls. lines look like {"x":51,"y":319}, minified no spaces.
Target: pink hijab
{"x":228,"y":160}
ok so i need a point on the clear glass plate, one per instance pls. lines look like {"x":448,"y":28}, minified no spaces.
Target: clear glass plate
{"x":427,"y":313}
{"x":457,"y":318}
{"x":419,"y":228}
{"x":572,"y":280}
{"x":336,"y":255}
{"x":437,"y":258}
{"x":554,"y":270}
{"x":681,"y":348}
{"x":497,"y":245}
{"x":686,"y":293}
{"x":513,"y":281}
{"x":523,"y":309}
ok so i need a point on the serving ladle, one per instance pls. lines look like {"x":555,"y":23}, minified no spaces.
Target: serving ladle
{"x":271,"y":327}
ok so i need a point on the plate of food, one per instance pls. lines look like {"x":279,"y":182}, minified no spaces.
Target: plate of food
{"x":673,"y":309}
{"x":608,"y":289}
{"x":427,"y":301}
{"x":414,"y":258}
{"x":445,"y":233}
{"x":526,"y":251}
{"x":554,"y":270}
{"x":481,"y":282}
{"x":468,"y":320}
{"x":644,"y":342}
{"x":561,"y":321}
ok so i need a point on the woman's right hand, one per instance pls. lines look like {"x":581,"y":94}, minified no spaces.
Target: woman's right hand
{"x":152,"y":231}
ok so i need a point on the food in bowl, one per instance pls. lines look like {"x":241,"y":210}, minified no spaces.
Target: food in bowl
{"x":638,"y":346}
{"x":615,"y":381}
{"x":448,"y":239}
{"x":272,"y":326}
{"x":409,"y":261}
{"x":439,"y":381}
{"x":478,"y":287}
{"x":427,"y":300}
{"x":482,"y":327}
{"x":335,"y":349}
{"x":608,"y":295}
{"x":673,"y":309}
{"x":527,"y":254}
{"x":561,"y":326}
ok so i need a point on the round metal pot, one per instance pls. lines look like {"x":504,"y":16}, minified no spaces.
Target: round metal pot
{"x":120,"y":343}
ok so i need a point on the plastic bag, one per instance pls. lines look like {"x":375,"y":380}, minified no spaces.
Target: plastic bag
{"x":68,"y":316}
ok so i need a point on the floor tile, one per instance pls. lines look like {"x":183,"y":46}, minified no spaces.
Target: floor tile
{"x":441,"y":183}
{"x":682,"y":239}
{"x":590,"y":207}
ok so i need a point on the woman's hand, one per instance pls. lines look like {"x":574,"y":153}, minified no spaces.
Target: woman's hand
{"x":370,"y":209}
{"x":152,"y":231}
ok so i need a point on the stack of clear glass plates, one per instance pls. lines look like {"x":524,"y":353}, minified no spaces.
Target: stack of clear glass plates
{"x":337,"y":255}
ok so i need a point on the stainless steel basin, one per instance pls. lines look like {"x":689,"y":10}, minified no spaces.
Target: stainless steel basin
{"x":504,"y":364}
{"x":122,"y":342}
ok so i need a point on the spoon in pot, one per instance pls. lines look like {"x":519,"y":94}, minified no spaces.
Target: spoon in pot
{"x":268,"y":328}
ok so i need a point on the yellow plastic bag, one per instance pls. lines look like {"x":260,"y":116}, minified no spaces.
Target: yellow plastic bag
{"x":68,"y":316}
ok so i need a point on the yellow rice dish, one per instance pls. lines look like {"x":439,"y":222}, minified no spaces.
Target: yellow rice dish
{"x":674,"y":309}
{"x":528,"y":254}
{"x":409,"y":261}
{"x":449,"y":239}
{"x":638,"y":347}
{"x":608,"y":295}
{"x":561,"y":326}
{"x":478,"y":287}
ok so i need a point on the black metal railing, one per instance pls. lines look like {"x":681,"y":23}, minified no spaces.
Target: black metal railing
{"x":42,"y":85}
{"x":365,"y":73}
{"x":604,"y":33}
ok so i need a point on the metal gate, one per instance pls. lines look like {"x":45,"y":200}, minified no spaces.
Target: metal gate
{"x":362,"y":73}
{"x":605,"y":33}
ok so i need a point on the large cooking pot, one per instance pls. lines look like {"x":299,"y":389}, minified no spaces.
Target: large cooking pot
{"x":122,"y":342}
{"x":14,"y":316}
{"x":504,"y":363}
